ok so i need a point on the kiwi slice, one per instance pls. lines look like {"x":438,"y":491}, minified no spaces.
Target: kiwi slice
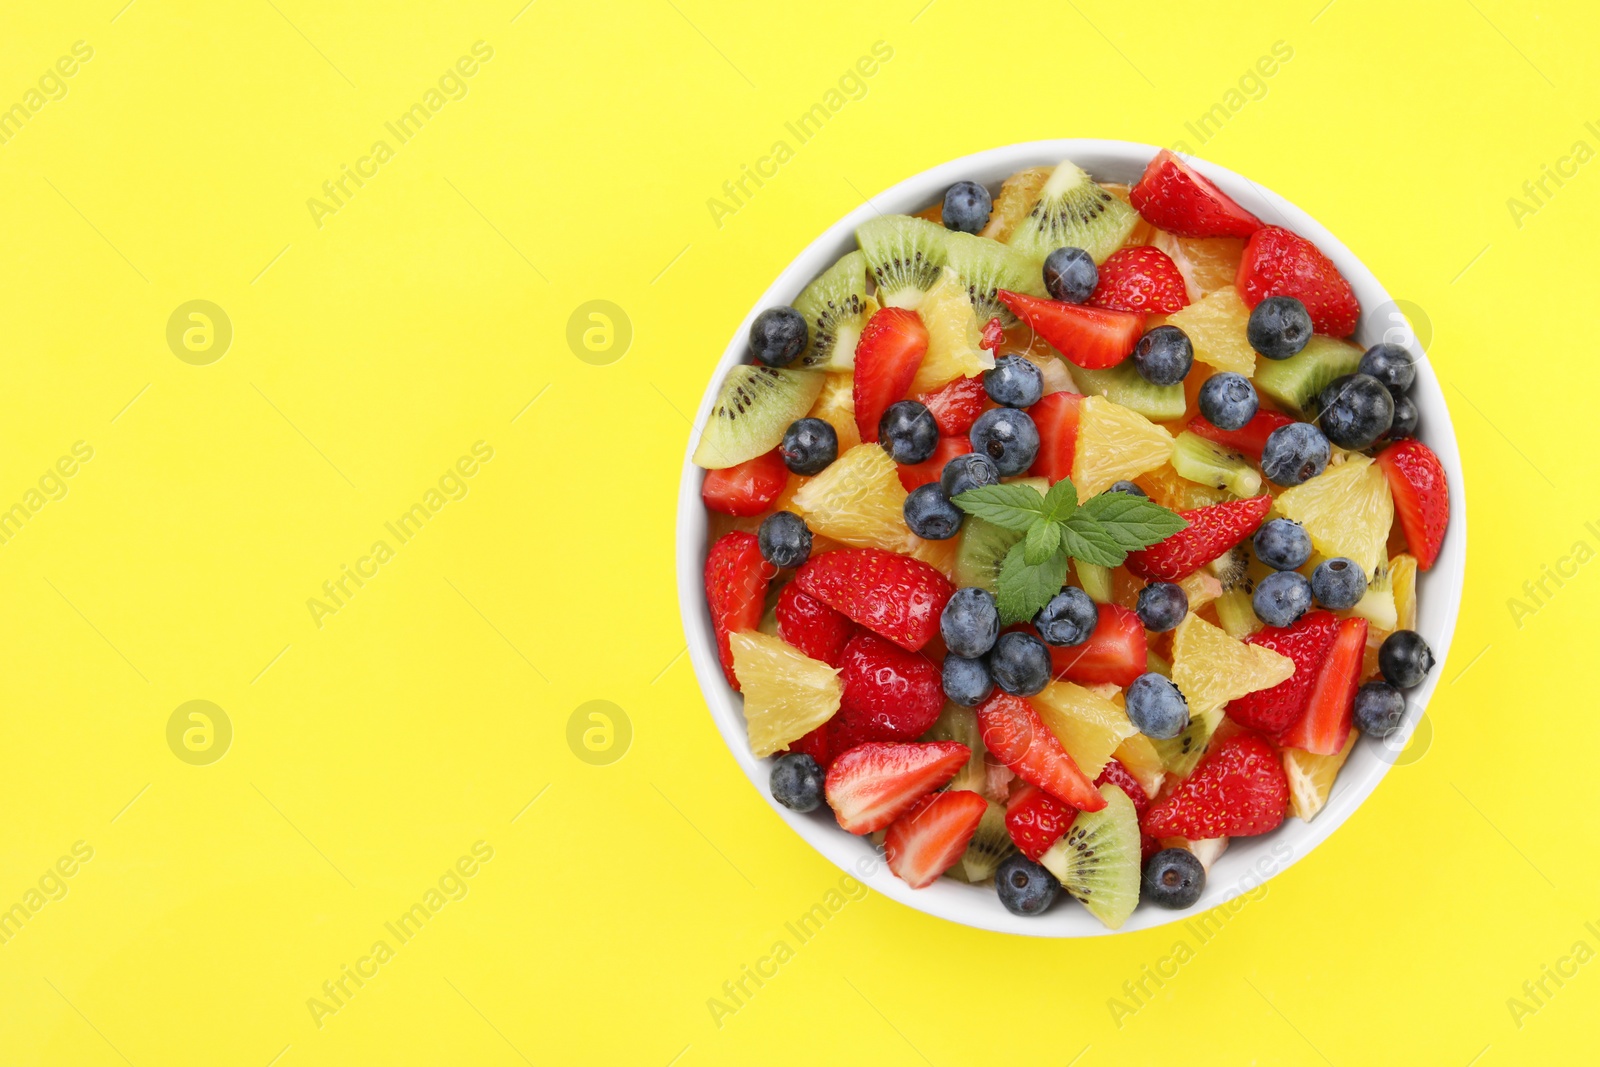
{"x":983,"y":548}
{"x":754,"y":408}
{"x":1123,"y":385}
{"x":1154,"y":664}
{"x":1296,"y":382}
{"x":1232,"y":569}
{"x":1096,"y":581}
{"x":1377,"y":605}
{"x":1208,"y":463}
{"x":1180,"y":754}
{"x":984,"y":266}
{"x":1097,"y":860}
{"x":905,"y":255}
{"x":956,"y":723}
{"x":836,"y":306}
{"x":990,"y":844}
{"x":1072,"y":211}
{"x":1237,"y":614}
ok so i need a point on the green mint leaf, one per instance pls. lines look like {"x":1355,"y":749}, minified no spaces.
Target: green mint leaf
{"x":1024,"y":589}
{"x":1132,"y":521}
{"x":1087,"y":539}
{"x":1044,"y":537}
{"x":1061,"y":500}
{"x":1012,"y":506}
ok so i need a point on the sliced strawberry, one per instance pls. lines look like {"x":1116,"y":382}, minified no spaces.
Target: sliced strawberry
{"x":889,"y":694}
{"x":913,"y":475}
{"x":1306,"y":643}
{"x":1212,"y":530}
{"x":817,"y":745}
{"x":1238,"y":790}
{"x":811,"y":626}
{"x":1148,"y":846}
{"x":1140,"y":278}
{"x":736,"y":591}
{"x":895,"y":596}
{"x":1056,"y":417}
{"x":1013,"y":731}
{"x":956,"y":406}
{"x":872,"y":785}
{"x":1325,"y":726}
{"x":746,"y":488}
{"x":1421,"y":497}
{"x":1036,"y":820}
{"x":887,"y":356}
{"x":928,"y":840}
{"x":1115,"y":651}
{"x":1250,"y":439}
{"x":1177,"y":198}
{"x":994,"y":332}
{"x":1280,"y":263}
{"x":1093,"y":338}
{"x":1123,"y":779}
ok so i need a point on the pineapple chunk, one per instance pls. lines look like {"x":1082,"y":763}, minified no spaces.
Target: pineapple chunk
{"x":1018,"y":194}
{"x":1115,"y":443}
{"x":1216,"y":327}
{"x":1211,"y":668}
{"x":787,"y":694}
{"x":953,"y":336}
{"x":1143,"y":761}
{"x":1346,"y":509}
{"x":858,"y":500}
{"x":1088,"y":725}
{"x":1311,"y":777}
{"x":1403,"y":576}
{"x":1201,"y":588}
{"x":836,"y":406}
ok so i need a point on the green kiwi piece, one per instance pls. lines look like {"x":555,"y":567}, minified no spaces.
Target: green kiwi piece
{"x":754,"y":408}
{"x":1123,"y":385}
{"x":905,"y":255}
{"x":1377,"y":604}
{"x":1096,"y":580}
{"x":836,"y":306}
{"x":984,"y":266}
{"x":1156,"y":665}
{"x":1072,"y":211}
{"x":990,"y":844}
{"x":1097,"y":860}
{"x":1208,"y":463}
{"x":1296,"y":382}
{"x":956,"y":723}
{"x":983,"y":548}
{"x":1180,"y":754}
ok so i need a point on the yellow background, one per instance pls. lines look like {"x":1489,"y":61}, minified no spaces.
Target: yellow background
{"x":425,"y":315}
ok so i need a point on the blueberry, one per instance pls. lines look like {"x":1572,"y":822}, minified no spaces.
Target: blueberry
{"x":970,"y":622}
{"x":1356,"y":410}
{"x":1070,"y":275}
{"x":1379,"y":709}
{"x":1405,"y":659}
{"x":777,"y":336}
{"x":1014,"y":381}
{"x":1390,"y":364}
{"x":971,"y":471}
{"x":1024,"y":887}
{"x":1228,"y":400}
{"x":966,"y":207}
{"x":930,"y":515}
{"x":1068,"y":619}
{"x":1163,"y":356}
{"x":1157,"y":707}
{"x":908,"y":432}
{"x":809,"y":445}
{"x":967,"y":681}
{"x":797,"y":782}
{"x":1279,"y":327}
{"x":1129,"y":488}
{"x":1294,"y":453}
{"x":1281,"y":598}
{"x":1162,"y":606}
{"x":1282,"y":544}
{"x":1007,"y":436}
{"x":1173,"y":878}
{"x":1338,"y":583}
{"x":1020,"y":664}
{"x":784,"y":539}
{"x":1405,"y":421}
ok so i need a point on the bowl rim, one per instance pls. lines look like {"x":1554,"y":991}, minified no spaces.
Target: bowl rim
{"x":1246,"y":864}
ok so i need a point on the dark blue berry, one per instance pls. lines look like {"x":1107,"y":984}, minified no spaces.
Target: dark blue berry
{"x":1279,"y":327}
{"x":930,"y":515}
{"x":1156,"y":707}
{"x":1173,"y":878}
{"x":1294,"y":453}
{"x":966,"y":681}
{"x":1282,"y":544}
{"x":1020,"y":664}
{"x":1379,"y":709}
{"x":797,"y":782}
{"x":1228,"y":401}
{"x":1070,"y":275}
{"x":974,"y":470}
{"x":1390,"y":364}
{"x":970,"y":622}
{"x":1162,"y":606}
{"x":1068,"y":619}
{"x":1014,"y":381}
{"x":1129,"y":488}
{"x":908,"y":432}
{"x":1281,"y":598}
{"x":1338,"y":583}
{"x":966,"y":207}
{"x":1007,"y":436}
{"x":784,"y":539}
{"x":809,"y":445}
{"x":1024,"y":887}
{"x":1404,"y":659}
{"x":1163,"y":356}
{"x":777,"y":336}
{"x":1356,"y":410}
{"x":1406,"y":417}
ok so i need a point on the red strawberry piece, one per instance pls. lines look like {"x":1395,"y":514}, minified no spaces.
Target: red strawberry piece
{"x":913,"y":475}
{"x":895,"y":596}
{"x":1421,"y":496}
{"x":811,"y":626}
{"x":887,"y":356}
{"x":1179,"y":199}
{"x":736,"y":591}
{"x":1250,"y":439}
{"x":1093,"y":338}
{"x":1148,"y":846}
{"x":1056,"y":418}
{"x":1115,"y":651}
{"x":956,"y":406}
{"x":927,"y":840}
{"x":1036,"y":820}
{"x":1211,"y":531}
{"x":1013,"y":731}
{"x":872,"y":785}
{"x":1280,"y":263}
{"x":1123,"y":779}
{"x":1306,"y":643}
{"x":817,"y":745}
{"x":889,"y":694}
{"x":1238,"y":790}
{"x":1325,"y":726}
{"x":745,"y":488}
{"x":994,"y":331}
{"x":1140,"y":278}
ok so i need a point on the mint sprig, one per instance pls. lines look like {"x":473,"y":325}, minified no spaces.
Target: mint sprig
{"x":1055,"y":527}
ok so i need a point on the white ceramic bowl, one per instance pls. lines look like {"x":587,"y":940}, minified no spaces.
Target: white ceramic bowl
{"x":1248,"y":861}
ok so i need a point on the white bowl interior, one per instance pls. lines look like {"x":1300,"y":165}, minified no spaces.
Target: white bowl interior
{"x":1248,"y":862}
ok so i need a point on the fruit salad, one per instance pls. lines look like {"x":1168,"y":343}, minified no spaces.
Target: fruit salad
{"x":1060,"y":534}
